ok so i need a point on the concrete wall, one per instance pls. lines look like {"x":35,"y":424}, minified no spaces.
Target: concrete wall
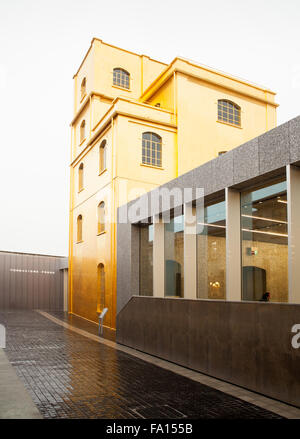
{"x":29,"y":281}
{"x":245,"y":343}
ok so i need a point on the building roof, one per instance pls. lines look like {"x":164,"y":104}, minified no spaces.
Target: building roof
{"x":209,"y":75}
{"x":115,"y":47}
{"x":33,"y":254}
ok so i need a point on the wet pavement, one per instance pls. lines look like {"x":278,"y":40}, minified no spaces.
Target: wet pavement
{"x":86,"y":325}
{"x":71,"y":376}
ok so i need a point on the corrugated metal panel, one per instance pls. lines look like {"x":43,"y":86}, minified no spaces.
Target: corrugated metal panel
{"x":29,"y":281}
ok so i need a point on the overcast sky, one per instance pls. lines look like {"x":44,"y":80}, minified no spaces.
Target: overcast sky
{"x":42,"y":44}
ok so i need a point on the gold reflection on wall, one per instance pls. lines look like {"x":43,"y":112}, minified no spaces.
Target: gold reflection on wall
{"x":106,"y":132}
{"x":101,"y":288}
{"x":265,"y":242}
{"x":211,"y":269}
{"x":274,"y":259}
{"x":174,"y":257}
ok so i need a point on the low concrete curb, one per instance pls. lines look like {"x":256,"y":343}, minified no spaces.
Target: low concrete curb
{"x":15,"y":401}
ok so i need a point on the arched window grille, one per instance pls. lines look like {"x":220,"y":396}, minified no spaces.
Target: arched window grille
{"x":229,"y":112}
{"x":83,"y":89}
{"x":82,"y":131}
{"x":79,"y":228}
{"x":121,"y":78}
{"x":80,"y":177}
{"x":102,"y":156}
{"x":151,"y":149}
{"x":101,"y":217}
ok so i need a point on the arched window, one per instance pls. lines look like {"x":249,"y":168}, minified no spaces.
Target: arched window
{"x":80,"y":177}
{"x":79,"y":228}
{"x":151,"y":151}
{"x":102,"y":156}
{"x":101,"y":217}
{"x":83,"y":89}
{"x":100,"y":288}
{"x":82,"y":131}
{"x":121,"y":78}
{"x":229,"y":112}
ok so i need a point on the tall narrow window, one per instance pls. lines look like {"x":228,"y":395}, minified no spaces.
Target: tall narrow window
{"x":101,"y":217}
{"x":79,"y":228}
{"x":151,"y":149}
{"x":80,"y":177}
{"x":82,"y":131}
{"x":102,"y":156}
{"x":174,"y":257}
{"x":146,"y":260}
{"x":83,"y":89}
{"x":229,"y":112}
{"x":121,"y":78}
{"x":100,"y":288}
{"x":264,"y":221}
{"x":211,"y":250}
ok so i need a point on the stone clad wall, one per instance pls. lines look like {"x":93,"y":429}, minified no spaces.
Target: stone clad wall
{"x":245,"y":343}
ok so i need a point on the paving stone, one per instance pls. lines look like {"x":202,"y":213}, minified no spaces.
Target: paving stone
{"x":71,"y":376}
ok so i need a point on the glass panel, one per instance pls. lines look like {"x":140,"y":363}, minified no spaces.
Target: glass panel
{"x":265,"y":243}
{"x":228,"y":112}
{"x":174,"y":261}
{"x":146,"y":260}
{"x":104,"y":157}
{"x":146,"y":136}
{"x":211,"y":250}
{"x":152,"y":142}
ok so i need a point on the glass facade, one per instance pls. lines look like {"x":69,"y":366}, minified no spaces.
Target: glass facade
{"x":211,"y":250}
{"x":146,"y":260}
{"x":174,"y":257}
{"x":263,"y":249}
{"x":265,"y":243}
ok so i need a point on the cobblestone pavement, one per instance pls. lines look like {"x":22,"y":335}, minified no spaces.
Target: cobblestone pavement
{"x":71,"y":376}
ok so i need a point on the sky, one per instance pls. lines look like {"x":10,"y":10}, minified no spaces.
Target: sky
{"x":42,"y":44}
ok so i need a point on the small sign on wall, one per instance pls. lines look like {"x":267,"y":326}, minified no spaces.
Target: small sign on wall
{"x":252,"y":251}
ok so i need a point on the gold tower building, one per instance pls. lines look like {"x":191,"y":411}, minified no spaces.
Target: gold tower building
{"x":137,"y":124}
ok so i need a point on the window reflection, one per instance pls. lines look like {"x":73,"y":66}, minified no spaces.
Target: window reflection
{"x":146,"y":260}
{"x":211,"y":250}
{"x":174,"y":257}
{"x":265,"y":243}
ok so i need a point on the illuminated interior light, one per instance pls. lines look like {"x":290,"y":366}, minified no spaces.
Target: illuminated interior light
{"x":212,"y":225}
{"x":215,"y":284}
{"x":266,"y":233}
{"x":282,"y":201}
{"x":265,"y":219}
